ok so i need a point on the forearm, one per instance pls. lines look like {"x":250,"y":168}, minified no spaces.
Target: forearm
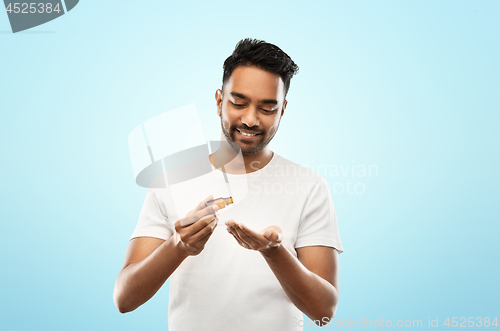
{"x":313,"y":295}
{"x":139,"y":281}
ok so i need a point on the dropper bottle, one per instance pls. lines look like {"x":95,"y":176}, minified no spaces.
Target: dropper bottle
{"x":221,"y":202}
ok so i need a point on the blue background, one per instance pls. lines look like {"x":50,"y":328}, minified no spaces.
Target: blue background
{"x":410,"y":87}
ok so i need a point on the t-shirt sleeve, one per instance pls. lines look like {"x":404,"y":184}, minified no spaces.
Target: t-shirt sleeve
{"x":152,"y":220}
{"x":318,"y":226}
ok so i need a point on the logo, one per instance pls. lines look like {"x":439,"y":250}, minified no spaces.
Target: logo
{"x":26,"y":15}
{"x":170,"y":149}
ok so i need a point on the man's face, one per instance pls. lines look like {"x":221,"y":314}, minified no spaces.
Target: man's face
{"x":251,"y":108}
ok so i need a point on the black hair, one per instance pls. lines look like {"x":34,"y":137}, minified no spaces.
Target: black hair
{"x":266,"y":56}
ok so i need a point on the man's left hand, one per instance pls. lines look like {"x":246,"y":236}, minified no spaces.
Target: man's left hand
{"x":263,"y":241}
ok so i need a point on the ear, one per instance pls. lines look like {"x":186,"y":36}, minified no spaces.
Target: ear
{"x":218,"y":100}
{"x":284,"y":107}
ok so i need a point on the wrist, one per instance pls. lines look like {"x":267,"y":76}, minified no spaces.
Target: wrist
{"x":271,"y":251}
{"x":179,"y":246}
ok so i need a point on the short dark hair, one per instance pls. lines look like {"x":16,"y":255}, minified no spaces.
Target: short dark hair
{"x":266,"y":56}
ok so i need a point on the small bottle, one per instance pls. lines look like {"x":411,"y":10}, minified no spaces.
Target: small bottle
{"x":221,"y":202}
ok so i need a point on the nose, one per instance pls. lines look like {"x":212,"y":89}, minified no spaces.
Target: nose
{"x":250,"y":118}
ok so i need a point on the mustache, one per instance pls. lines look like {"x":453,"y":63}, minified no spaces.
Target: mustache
{"x":245,"y":128}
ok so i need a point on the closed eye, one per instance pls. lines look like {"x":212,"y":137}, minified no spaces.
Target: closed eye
{"x":268,"y":110}
{"x":237,"y":105}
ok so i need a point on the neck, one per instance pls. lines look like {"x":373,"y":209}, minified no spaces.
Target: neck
{"x":257,"y":161}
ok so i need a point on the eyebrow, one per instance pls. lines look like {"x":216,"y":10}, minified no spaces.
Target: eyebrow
{"x":242,"y":96}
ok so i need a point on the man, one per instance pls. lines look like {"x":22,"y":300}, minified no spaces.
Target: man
{"x":278,"y":256}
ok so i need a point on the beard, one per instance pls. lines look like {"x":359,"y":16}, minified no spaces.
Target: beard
{"x":245,"y":149}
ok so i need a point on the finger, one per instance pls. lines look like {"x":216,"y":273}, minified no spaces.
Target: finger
{"x":232,"y":228}
{"x":273,"y":236}
{"x":254,"y":236}
{"x":230,"y":223}
{"x":245,"y":238}
{"x":206,"y":211}
{"x":204,"y":233}
{"x":243,"y":244}
{"x":204,"y":222}
{"x":202,"y":204}
{"x":178,"y":226}
{"x":248,"y":237}
{"x":250,"y":232}
{"x":280,"y":237}
{"x":203,"y":239}
{"x":194,"y":216}
{"x":199,"y":225}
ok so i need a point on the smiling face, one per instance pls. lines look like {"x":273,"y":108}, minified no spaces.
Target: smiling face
{"x":251,"y":108}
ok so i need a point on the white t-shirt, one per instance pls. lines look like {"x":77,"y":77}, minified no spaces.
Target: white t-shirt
{"x":228,"y":287}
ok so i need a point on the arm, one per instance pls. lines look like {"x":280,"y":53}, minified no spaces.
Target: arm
{"x":310,"y":282}
{"x":150,"y":261}
{"x":148,"y":264}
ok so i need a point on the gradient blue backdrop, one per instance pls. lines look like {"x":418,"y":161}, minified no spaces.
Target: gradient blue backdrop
{"x":410,"y":87}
